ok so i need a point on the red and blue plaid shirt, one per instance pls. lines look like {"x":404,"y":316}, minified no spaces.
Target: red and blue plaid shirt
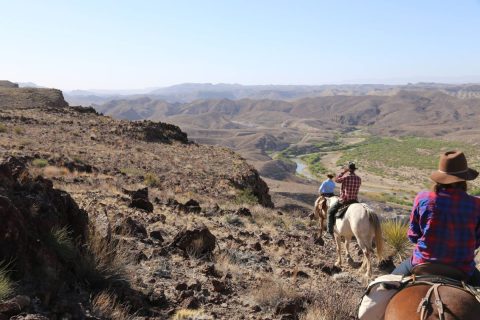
{"x":445,"y":227}
{"x":350,"y":186}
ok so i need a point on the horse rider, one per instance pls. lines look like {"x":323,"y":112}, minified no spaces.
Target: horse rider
{"x":327,"y":187}
{"x":348,"y":192}
{"x":445,"y":222}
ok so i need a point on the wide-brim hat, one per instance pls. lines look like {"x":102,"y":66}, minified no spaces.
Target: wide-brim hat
{"x":452,"y":168}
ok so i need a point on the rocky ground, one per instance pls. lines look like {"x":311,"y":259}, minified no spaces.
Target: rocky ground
{"x":107,"y":219}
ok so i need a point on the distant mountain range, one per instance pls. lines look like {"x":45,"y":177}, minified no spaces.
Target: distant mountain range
{"x":189,"y":92}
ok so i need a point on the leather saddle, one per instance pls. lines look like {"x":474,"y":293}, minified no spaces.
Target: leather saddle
{"x":343,"y":209}
{"x":440,"y":270}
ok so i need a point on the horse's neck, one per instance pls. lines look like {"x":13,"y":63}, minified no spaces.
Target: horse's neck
{"x":333,"y":200}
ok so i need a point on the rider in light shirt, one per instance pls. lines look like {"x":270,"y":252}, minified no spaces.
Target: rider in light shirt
{"x":327,"y":187}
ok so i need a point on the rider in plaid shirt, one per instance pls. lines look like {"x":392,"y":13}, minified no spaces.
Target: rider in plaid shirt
{"x":349,"y":193}
{"x":444,"y":226}
{"x":445,"y":222}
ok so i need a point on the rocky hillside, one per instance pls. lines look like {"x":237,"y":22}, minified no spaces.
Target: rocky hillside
{"x":108,"y":219}
{"x":43,"y":127}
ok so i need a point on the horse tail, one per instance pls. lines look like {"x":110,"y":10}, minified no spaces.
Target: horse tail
{"x":375,"y":223}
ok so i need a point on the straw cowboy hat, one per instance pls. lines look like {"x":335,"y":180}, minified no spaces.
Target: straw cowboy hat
{"x":452,"y":168}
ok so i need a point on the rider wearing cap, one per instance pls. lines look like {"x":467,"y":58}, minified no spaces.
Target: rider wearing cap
{"x":348,"y":192}
{"x":445,"y":222}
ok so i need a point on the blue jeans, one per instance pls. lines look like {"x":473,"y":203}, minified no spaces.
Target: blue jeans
{"x":404,"y":268}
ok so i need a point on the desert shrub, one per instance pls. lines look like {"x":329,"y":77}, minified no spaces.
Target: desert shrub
{"x":189,"y":314}
{"x":103,"y":261}
{"x":271,"y":291}
{"x":327,"y":306}
{"x":6,"y":285}
{"x":40,"y":163}
{"x":60,"y":240}
{"x":395,"y":234}
{"x":3,"y":128}
{"x":19,"y":130}
{"x":234,"y":220}
{"x":106,"y":306}
{"x":246,"y":197}
{"x":151,"y":180}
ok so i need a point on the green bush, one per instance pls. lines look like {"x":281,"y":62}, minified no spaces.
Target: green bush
{"x":40,"y":163}
{"x":395,"y":234}
{"x":246,"y":197}
{"x":3,"y":128}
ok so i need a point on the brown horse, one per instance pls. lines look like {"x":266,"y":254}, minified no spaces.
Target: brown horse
{"x":456,"y":304}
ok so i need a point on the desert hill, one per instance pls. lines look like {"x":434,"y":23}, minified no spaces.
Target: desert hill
{"x":111,"y":219}
{"x":401,"y":113}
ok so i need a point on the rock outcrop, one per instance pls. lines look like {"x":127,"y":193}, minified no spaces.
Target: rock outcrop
{"x":22,"y":98}
{"x":39,"y":230}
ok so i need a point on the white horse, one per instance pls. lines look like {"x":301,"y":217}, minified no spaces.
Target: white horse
{"x":359,"y":221}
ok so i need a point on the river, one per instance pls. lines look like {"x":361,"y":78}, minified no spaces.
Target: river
{"x":302,"y":169}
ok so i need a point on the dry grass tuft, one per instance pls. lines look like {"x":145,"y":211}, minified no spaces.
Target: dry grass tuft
{"x":188,"y":314}
{"x":332,"y":301}
{"x":52,"y":171}
{"x":104,"y":261}
{"x":61,"y":241}
{"x":6,"y":285}
{"x":271,"y":291}
{"x":106,"y":306}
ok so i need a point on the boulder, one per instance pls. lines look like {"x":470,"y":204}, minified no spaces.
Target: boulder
{"x":140,"y":199}
{"x":129,"y":226}
{"x":290,"y":307}
{"x":197,"y":240}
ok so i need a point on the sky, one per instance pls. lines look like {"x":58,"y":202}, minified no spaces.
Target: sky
{"x":120,"y":44}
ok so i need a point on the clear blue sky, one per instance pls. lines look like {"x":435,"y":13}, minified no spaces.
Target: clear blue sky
{"x":107,"y":44}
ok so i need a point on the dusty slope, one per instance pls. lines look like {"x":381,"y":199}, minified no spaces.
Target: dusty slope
{"x":149,"y":252}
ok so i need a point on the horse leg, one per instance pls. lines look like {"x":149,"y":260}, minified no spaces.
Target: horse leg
{"x":367,"y":254}
{"x":348,"y":257}
{"x":338,"y":242}
{"x":322,"y":222}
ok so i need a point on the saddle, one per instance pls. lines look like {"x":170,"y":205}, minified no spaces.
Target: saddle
{"x":381,"y":290}
{"x":343,"y":209}
{"x":436,"y":275}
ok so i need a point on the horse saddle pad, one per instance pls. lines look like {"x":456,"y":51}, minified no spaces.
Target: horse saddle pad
{"x":341,"y":212}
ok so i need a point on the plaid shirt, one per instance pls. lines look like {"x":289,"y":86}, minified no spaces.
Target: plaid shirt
{"x":350,"y":186}
{"x":445,"y":228}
